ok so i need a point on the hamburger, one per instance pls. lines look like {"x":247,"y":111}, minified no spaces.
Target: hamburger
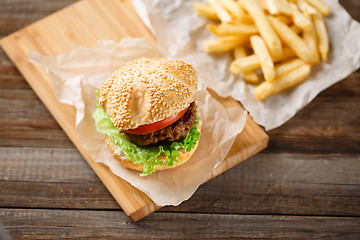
{"x":147,"y":112}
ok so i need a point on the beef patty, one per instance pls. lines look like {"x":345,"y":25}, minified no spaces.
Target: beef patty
{"x":175,"y":132}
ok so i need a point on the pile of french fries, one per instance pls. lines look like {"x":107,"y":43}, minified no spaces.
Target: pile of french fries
{"x":283,"y":38}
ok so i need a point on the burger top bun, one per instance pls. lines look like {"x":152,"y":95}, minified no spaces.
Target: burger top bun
{"x":147,"y":90}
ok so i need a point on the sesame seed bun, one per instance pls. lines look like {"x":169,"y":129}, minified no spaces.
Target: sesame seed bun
{"x":127,"y":163}
{"x":147,"y":90}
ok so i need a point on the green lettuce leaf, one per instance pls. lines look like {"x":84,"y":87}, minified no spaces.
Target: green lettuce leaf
{"x":147,"y":156}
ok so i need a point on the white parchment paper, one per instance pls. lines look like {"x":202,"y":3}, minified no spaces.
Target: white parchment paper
{"x":180,"y":32}
{"x":77,"y":74}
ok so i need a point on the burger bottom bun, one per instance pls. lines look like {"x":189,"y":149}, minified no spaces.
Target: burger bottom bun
{"x":126,"y":162}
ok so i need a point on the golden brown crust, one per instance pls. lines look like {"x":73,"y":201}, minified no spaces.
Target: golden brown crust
{"x":147,"y":90}
{"x":126,"y":162}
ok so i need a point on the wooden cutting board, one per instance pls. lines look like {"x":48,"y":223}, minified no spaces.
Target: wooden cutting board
{"x":83,"y":24}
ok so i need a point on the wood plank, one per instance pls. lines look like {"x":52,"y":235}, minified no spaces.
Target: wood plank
{"x":17,"y":14}
{"x":52,"y":184}
{"x":28,"y":123}
{"x":293,"y":184}
{"x":82,"y":24}
{"x":341,"y":91}
{"x":55,"y":224}
{"x":49,"y":165}
{"x":9,"y":76}
{"x":321,"y":127}
{"x":26,"y":120}
{"x":28,"y":40}
{"x":350,"y":87}
{"x":352,"y":6}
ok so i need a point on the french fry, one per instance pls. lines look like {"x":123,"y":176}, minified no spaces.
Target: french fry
{"x":287,"y":37}
{"x":267,"y":65}
{"x":233,"y":7}
{"x":306,"y":7}
{"x":285,"y":19}
{"x":291,"y":39}
{"x":292,"y":78}
{"x":288,"y":80}
{"x":251,"y":76}
{"x":205,"y":11}
{"x":266,"y":31}
{"x":246,"y":19}
{"x":239,"y":52}
{"x":245,"y":14}
{"x":223,"y":15}
{"x":320,"y":6}
{"x":296,"y":29}
{"x":264,"y":90}
{"x":245,"y":64}
{"x":285,"y":7}
{"x":299,"y":19}
{"x":286,"y":54}
{"x":285,"y":67}
{"x":262,"y":4}
{"x":232,"y":29}
{"x":310,"y":39}
{"x":252,"y":62}
{"x":323,"y":37}
{"x":274,"y":6}
{"x":224,"y":44}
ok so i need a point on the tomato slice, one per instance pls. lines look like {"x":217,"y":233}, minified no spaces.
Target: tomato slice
{"x":152,"y":127}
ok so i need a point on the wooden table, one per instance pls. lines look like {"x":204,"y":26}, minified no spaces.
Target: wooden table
{"x":305,"y":185}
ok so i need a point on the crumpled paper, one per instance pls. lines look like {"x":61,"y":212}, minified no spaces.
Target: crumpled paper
{"x":180,"y":31}
{"x":77,"y":74}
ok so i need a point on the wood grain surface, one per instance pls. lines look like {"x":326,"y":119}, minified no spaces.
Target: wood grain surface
{"x":83,"y":24}
{"x":305,"y":185}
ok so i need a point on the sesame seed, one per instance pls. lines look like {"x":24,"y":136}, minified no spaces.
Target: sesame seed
{"x":167,"y":86}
